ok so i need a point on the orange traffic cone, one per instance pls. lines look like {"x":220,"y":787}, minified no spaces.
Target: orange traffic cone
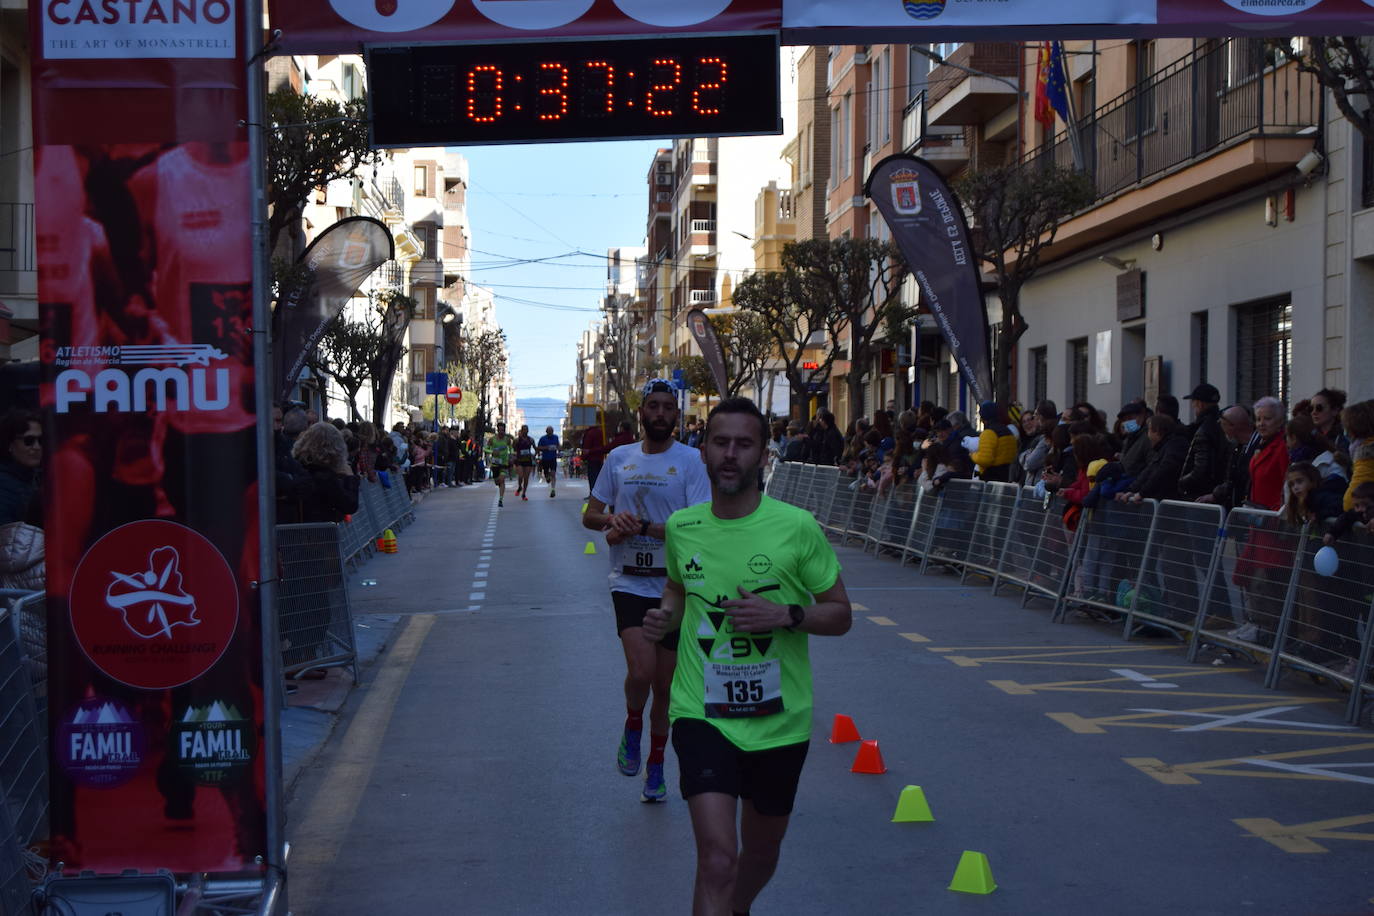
{"x":843,"y":731}
{"x":869,"y":759}
{"x":388,"y":541}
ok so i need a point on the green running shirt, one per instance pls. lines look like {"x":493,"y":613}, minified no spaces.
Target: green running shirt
{"x":499,"y":449}
{"x":754,"y":687}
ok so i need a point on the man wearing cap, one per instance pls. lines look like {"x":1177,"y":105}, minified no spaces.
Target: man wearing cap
{"x":1205,"y":466}
{"x":641,"y":484}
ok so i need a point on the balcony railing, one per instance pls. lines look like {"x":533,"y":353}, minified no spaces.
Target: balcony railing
{"x":1213,"y":98}
{"x":703,"y":225}
{"x":16,"y":246}
{"x":702,"y":296}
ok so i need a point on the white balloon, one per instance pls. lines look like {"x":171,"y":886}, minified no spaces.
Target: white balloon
{"x":1325,"y":561}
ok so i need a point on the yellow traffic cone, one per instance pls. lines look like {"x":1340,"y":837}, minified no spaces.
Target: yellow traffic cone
{"x":584,"y":508}
{"x":388,"y":541}
{"x":973,"y":875}
{"x":912,"y":807}
{"x":590,"y":549}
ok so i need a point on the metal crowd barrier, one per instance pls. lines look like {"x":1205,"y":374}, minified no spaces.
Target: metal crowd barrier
{"x":23,"y":750}
{"x":1242,"y":581}
{"x":379,"y":508}
{"x":316,"y":621}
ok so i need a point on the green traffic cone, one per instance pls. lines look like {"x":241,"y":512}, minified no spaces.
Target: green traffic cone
{"x":912,"y":807}
{"x":590,"y":549}
{"x":974,"y":875}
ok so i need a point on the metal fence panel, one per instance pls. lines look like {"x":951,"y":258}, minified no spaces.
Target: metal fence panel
{"x":823,"y":484}
{"x":841,"y":502}
{"x":922,"y":525}
{"x":988,"y":539}
{"x":861,"y":510}
{"x":1023,"y":535}
{"x":896,"y":525}
{"x":15,"y":889}
{"x":315,"y":618}
{"x":1111,"y":541}
{"x":1053,"y":549}
{"x":23,"y":755}
{"x":808,"y":495}
{"x":1330,"y":614}
{"x":1249,"y":589}
{"x":1177,"y":566}
{"x":954,"y":521}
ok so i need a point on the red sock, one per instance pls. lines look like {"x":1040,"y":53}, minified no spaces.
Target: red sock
{"x":634,"y":720}
{"x":656,"y":745}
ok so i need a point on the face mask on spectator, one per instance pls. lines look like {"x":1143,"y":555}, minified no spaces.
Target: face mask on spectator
{"x":1131,"y":426}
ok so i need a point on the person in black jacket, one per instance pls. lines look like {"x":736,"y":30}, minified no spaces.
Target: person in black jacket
{"x":330,"y":490}
{"x":1239,"y":428}
{"x":829,"y":445}
{"x":1159,"y":478}
{"x":21,"y":492}
{"x":1205,"y":466}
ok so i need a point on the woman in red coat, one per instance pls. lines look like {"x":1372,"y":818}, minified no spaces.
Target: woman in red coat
{"x":1263,"y":566}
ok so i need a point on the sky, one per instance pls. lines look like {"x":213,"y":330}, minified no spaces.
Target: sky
{"x":548,"y":202}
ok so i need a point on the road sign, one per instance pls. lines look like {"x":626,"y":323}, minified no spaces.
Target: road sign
{"x":455,"y":395}
{"x":436,"y":383}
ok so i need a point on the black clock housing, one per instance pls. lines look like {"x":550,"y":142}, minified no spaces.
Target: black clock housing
{"x":549,"y":91}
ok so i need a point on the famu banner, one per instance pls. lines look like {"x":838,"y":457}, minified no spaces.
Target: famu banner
{"x":927,"y":224}
{"x":145,"y":273}
{"x":706,"y":339}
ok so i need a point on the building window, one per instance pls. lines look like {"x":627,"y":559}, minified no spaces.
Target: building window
{"x":836,"y":144}
{"x":1078,"y":370}
{"x":1040,"y":375}
{"x":421,"y":181}
{"x":885,"y":96}
{"x":846,"y":135}
{"x":941,"y":51}
{"x":1264,"y":350}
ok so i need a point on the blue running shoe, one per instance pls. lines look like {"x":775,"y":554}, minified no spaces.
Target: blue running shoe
{"x":654,"y":789}
{"x":627,"y":758}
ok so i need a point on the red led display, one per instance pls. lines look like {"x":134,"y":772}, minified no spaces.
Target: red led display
{"x":433,"y":95}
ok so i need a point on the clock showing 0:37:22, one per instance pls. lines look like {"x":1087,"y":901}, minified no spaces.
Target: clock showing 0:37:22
{"x":546,"y":91}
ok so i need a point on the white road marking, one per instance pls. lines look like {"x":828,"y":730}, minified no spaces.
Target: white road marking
{"x":1144,"y":680}
{"x":477,"y":596}
{"x":1329,"y":770}
{"x":1258,"y":715}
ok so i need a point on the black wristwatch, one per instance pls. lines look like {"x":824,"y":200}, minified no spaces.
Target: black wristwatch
{"x":644,"y":527}
{"x":798,"y":614}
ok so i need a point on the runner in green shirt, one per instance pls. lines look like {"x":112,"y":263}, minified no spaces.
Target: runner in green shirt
{"x":498,"y":452}
{"x":749,"y":579}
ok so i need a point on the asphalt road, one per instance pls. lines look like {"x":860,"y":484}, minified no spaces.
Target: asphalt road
{"x":473,"y":772}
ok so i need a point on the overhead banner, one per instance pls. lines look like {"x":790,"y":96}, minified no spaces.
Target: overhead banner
{"x":333,"y":267}
{"x":145,"y":272}
{"x":338,"y":26}
{"x":928,"y":226}
{"x":705,"y":336}
{"x":838,"y":21}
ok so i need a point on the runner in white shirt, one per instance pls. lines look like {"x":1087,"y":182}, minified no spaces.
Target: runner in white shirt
{"x":641,"y":485}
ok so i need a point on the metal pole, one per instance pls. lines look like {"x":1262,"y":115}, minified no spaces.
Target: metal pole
{"x":275,"y":858}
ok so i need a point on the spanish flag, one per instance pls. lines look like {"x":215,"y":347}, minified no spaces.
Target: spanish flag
{"x":1051,"y":85}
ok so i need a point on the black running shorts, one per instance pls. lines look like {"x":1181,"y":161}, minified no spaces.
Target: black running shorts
{"x":629,"y":612}
{"x":710,"y":762}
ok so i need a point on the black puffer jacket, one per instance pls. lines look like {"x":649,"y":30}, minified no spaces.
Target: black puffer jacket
{"x":20,"y":494}
{"x":1205,"y":466}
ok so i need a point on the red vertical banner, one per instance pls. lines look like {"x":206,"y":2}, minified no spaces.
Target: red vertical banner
{"x":145,"y":272}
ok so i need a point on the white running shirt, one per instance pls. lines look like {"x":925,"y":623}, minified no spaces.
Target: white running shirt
{"x":651,"y":487}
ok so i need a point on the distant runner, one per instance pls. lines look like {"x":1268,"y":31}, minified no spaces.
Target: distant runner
{"x":741,"y":696}
{"x":641,"y":484}
{"x":548,"y":459}
{"x":524,"y":462}
{"x":498,"y":452}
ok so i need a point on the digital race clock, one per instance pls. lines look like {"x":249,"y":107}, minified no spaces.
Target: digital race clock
{"x":531,"y":92}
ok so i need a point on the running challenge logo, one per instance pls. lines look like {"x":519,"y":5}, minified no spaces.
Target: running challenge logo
{"x":153,"y":604}
{"x":133,"y":29}
{"x":132,"y":379}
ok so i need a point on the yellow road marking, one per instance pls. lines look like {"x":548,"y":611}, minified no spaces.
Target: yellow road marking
{"x":1183,"y":773}
{"x":856,"y":606}
{"x":914,"y":637}
{"x":883,"y":621}
{"x":1298,"y":838}
{"x":1166,"y":719}
{"x":317,"y":837}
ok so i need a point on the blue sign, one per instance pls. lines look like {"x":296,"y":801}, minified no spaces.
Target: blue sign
{"x":436,"y":383}
{"x":679,"y":382}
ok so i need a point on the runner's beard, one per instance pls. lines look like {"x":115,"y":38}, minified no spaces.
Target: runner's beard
{"x":730,"y":487}
{"x":659,"y":431}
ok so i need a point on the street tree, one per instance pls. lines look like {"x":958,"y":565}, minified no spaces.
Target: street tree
{"x":1342,"y":64}
{"x":857,"y":285}
{"x":748,"y":345}
{"x":312,"y":141}
{"x":1016,"y":211}
{"x":793,"y":322}
{"x":483,"y":356}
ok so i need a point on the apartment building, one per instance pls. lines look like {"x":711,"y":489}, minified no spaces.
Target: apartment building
{"x":18,"y":257}
{"x":1208,"y":254}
